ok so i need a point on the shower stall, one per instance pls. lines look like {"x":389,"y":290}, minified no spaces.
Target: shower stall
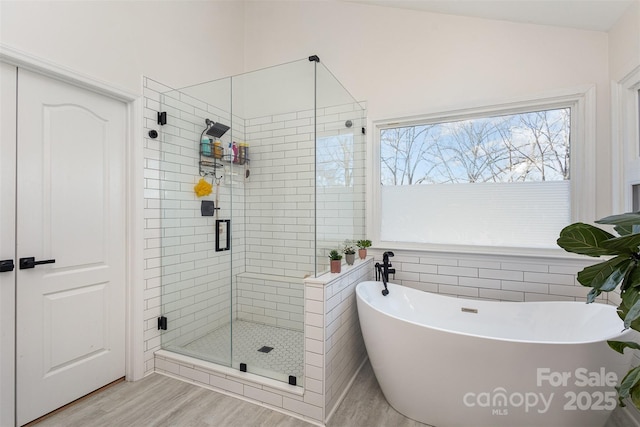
{"x":261,"y":175}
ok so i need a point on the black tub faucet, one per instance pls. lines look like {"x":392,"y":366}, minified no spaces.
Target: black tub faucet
{"x":384,"y":270}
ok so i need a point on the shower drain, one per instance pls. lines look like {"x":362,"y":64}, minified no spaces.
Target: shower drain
{"x":265,"y":349}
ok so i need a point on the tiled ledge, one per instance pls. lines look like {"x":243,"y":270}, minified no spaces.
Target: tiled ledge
{"x":346,"y":270}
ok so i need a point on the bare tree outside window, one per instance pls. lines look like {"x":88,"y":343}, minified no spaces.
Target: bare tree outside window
{"x":335,"y":161}
{"x":525,"y":147}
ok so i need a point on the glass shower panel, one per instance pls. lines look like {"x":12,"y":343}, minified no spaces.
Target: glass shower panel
{"x":340,"y":174}
{"x":196,"y":292}
{"x":280,"y":152}
{"x":273,"y":109}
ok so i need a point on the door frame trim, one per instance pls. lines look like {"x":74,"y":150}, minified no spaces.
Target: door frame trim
{"x":134,"y":199}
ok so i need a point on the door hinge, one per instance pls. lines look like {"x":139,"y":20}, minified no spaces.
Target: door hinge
{"x":162,"y":118}
{"x":162,"y":323}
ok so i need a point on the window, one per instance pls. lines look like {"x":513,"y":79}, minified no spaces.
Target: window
{"x":524,"y":147}
{"x":626,"y":142}
{"x":496,"y":177}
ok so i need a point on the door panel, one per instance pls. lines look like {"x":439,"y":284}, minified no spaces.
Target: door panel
{"x":66,"y":342}
{"x":8,"y":75}
{"x":78,"y":176}
{"x":70,"y":208}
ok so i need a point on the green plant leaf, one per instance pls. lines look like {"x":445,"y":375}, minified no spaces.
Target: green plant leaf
{"x":629,"y":298}
{"x":628,"y":382}
{"x":619,"y":346}
{"x":633,"y":314}
{"x":625,"y":219}
{"x":584,"y":239}
{"x":592,"y":295}
{"x":621,"y":245}
{"x":605,"y":276}
{"x":635,"y":396}
{"x":625,"y":230}
{"x":631,"y":277}
{"x":628,"y":301}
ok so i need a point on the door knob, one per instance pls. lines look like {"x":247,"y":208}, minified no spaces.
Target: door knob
{"x":31,"y":262}
{"x":6,"y":265}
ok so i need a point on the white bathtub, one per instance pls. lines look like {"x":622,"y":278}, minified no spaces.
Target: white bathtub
{"x":448,"y":361}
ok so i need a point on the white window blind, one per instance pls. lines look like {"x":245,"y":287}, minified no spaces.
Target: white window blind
{"x":520,"y":214}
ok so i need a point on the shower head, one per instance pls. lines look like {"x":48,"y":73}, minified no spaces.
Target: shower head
{"x":215,"y":130}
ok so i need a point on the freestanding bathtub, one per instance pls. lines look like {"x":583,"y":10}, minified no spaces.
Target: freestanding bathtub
{"x":448,"y":361}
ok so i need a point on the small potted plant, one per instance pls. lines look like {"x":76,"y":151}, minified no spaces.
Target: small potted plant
{"x":362,"y":248}
{"x":336,"y":260}
{"x":349,"y":252}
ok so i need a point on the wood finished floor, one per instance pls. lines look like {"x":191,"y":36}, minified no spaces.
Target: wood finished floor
{"x":158,"y":400}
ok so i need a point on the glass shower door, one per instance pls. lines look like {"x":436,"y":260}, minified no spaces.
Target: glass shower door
{"x":273,"y":218}
{"x":196,"y":276}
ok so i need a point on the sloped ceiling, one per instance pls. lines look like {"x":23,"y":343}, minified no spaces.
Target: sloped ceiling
{"x":596,"y":15}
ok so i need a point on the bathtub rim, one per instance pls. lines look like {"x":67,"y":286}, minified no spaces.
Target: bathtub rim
{"x":614,"y":337}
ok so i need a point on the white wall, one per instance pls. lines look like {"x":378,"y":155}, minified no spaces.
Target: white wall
{"x":624,"y":44}
{"x":176,"y":42}
{"x":407,"y":62}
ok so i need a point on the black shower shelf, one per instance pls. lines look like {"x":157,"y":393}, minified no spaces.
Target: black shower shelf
{"x":209,"y":164}
{"x":213,"y":163}
{"x":229,"y":159}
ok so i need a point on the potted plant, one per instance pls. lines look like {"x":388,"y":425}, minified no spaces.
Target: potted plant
{"x":336,"y":260}
{"x":362,"y":248}
{"x":622,"y":269}
{"x":349,"y":252}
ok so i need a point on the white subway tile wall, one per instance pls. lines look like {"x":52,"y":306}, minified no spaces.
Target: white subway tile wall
{"x":281,"y":215}
{"x":343,"y":345}
{"x":492,"y":277}
{"x":287,"y":208}
{"x":279,"y":196}
{"x":271,"y":300}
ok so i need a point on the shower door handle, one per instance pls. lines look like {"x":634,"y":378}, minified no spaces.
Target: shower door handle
{"x":30,"y":262}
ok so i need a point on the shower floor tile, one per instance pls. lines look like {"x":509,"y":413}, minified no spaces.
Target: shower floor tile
{"x":285,"y":359}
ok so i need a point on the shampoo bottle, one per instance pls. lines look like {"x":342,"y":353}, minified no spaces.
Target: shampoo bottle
{"x":205,"y":146}
{"x":234,"y":148}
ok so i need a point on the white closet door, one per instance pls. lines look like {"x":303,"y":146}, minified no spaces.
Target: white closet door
{"x":7,"y":240}
{"x":71,"y":209}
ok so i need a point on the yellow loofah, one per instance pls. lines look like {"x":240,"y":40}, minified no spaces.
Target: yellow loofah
{"x":203,"y":188}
